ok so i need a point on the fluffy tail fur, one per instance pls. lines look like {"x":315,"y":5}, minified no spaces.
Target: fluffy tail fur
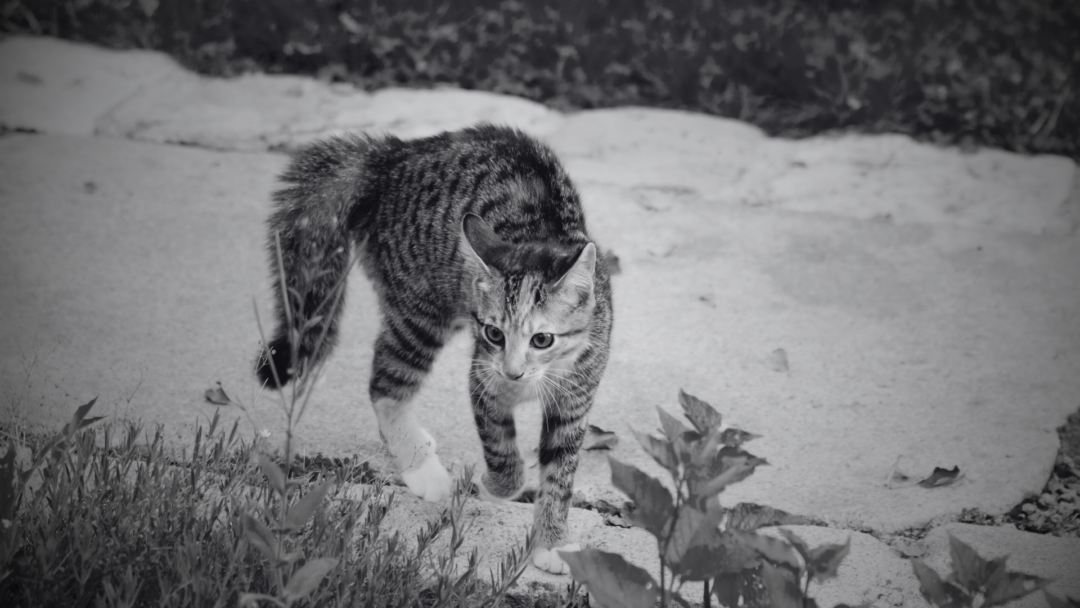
{"x":321,"y":213}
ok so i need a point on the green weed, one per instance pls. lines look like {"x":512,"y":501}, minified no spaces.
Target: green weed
{"x":699,"y":540}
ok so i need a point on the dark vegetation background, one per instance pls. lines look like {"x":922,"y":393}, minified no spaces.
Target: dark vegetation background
{"x":970,"y":72}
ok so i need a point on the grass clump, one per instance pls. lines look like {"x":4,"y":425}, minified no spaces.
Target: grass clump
{"x":106,"y":515}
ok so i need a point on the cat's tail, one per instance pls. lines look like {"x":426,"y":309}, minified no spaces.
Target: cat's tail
{"x":321,"y":213}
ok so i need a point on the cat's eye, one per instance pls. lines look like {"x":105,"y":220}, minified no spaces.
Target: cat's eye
{"x":494,"y":335}
{"x":542,"y":340}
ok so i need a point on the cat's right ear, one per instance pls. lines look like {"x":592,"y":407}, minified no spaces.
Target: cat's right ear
{"x":479,"y":242}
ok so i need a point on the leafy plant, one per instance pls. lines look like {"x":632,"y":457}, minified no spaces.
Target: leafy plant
{"x":697,"y":539}
{"x":975,"y":581}
{"x":292,"y":582}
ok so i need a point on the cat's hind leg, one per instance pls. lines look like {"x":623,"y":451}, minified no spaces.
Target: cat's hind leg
{"x":404,"y":352}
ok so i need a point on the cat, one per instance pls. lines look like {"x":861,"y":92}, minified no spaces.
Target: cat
{"x":481,"y":229}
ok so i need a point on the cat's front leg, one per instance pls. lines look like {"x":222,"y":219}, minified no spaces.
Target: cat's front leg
{"x":413,"y":451}
{"x":560,"y":441}
{"x":403,"y":355}
{"x":493,"y":404}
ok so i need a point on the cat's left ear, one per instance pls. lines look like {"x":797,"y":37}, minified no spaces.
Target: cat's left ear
{"x":480,"y":245}
{"x":579,"y":278}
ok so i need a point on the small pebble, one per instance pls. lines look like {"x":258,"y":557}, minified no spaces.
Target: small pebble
{"x":1028,"y":508}
{"x":896,"y":598}
{"x":1046,"y":499}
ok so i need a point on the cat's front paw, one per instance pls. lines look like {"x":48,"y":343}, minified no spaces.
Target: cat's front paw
{"x":549,"y":560}
{"x":428,"y":480}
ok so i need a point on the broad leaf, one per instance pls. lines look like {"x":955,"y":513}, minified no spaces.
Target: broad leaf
{"x":718,"y":554}
{"x":774,"y":550}
{"x":750,"y":516}
{"x":217,"y":396}
{"x":783,"y":589}
{"x":301,"y":512}
{"x":704,"y":450}
{"x":653,"y":502}
{"x":683,"y":446}
{"x":729,"y":466}
{"x":825,"y":560}
{"x":660,"y":450}
{"x":941,"y":477}
{"x":970,"y":570}
{"x":672,"y":426}
{"x":273,"y":473}
{"x":935,"y":590}
{"x":307,"y":578}
{"x":1010,"y":586}
{"x":597,"y":438}
{"x":701,"y":414}
{"x":260,"y":535}
{"x":733,"y":437}
{"x":726,"y":588}
{"x":612,"y":581}
{"x":684,"y":533}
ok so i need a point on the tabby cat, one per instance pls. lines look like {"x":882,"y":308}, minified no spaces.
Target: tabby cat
{"x":478,"y":228}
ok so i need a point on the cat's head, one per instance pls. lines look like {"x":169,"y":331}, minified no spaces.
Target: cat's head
{"x":533,"y":302}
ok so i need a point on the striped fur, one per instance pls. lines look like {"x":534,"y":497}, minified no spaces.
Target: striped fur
{"x":478,"y":228}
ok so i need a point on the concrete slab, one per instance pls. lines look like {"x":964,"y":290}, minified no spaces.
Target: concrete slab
{"x":904,"y":341}
{"x":123,"y":275}
{"x":55,"y":86}
{"x":258,"y":112}
{"x":666,"y":155}
{"x":928,"y":301}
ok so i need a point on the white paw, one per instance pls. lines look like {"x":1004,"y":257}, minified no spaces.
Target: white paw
{"x":548,"y":560}
{"x":428,"y":480}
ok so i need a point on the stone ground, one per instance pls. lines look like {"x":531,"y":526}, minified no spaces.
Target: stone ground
{"x":927,"y":300}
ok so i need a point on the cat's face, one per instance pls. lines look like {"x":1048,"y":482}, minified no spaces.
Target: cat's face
{"x":533,"y":306}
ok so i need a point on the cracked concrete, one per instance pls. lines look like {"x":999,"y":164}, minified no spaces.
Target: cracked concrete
{"x":928,"y":300}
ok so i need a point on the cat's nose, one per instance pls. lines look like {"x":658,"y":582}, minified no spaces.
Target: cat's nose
{"x":514,"y":376}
